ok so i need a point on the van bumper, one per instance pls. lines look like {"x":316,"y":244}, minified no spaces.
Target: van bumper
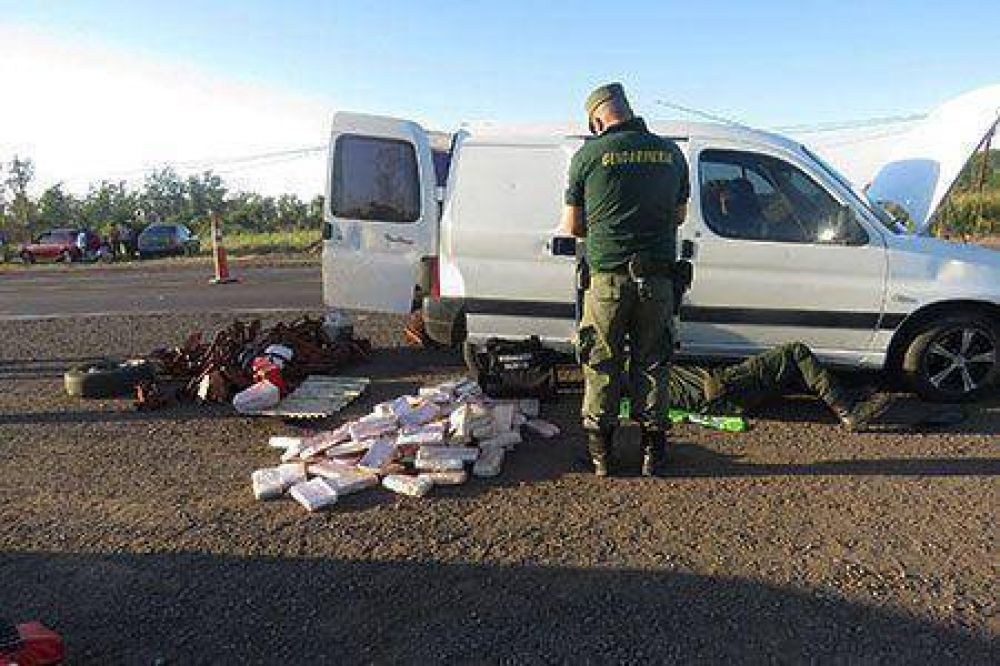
{"x":444,"y":319}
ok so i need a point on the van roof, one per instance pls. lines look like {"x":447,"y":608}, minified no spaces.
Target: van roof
{"x":544,"y":134}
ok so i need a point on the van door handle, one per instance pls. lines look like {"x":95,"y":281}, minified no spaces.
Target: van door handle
{"x":389,"y":238}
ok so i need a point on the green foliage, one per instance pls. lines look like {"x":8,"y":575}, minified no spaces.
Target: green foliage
{"x":164,"y":196}
{"x":969,"y":210}
{"x":20,"y":211}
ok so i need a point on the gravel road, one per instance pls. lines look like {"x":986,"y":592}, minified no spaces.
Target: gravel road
{"x":137,"y":537}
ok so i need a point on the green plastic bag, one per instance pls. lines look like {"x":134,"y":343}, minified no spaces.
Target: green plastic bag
{"x":721,"y":423}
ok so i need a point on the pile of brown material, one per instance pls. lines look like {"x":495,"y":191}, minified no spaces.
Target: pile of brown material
{"x":216,"y":370}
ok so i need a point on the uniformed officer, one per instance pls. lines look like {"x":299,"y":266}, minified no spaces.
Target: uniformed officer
{"x":627,"y":192}
{"x":736,"y":388}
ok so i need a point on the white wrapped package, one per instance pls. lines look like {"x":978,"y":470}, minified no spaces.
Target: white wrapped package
{"x":490,"y":462}
{"x":435,"y":395}
{"x":503,"y":417}
{"x":508,"y":440}
{"x":382,"y":409}
{"x":258,"y":397}
{"x":484,"y":431}
{"x":518,"y":420}
{"x":345,"y":480}
{"x":467,"y":388}
{"x":314,"y":495}
{"x":320,"y":442}
{"x":350,"y":448}
{"x":379,"y":456}
{"x":446,"y":478}
{"x":414,"y":486}
{"x":413,"y":411}
{"x":371,"y":427}
{"x":463,"y":453}
{"x":292,"y":453}
{"x":530,"y":407}
{"x":272,"y":482}
{"x":284,"y":443}
{"x":438,"y":464}
{"x":431,"y":433}
{"x":543,"y":428}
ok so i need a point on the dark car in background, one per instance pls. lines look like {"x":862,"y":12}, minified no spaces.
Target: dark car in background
{"x":159,"y":240}
{"x":58,"y":245}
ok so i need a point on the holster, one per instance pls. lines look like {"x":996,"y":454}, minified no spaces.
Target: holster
{"x":681,"y":274}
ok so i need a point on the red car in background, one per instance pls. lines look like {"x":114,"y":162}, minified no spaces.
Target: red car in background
{"x":58,"y":245}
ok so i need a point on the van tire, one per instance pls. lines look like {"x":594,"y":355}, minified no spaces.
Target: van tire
{"x":106,"y":379}
{"x":954,"y":359}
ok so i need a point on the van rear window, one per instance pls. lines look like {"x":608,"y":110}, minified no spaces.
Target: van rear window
{"x":375,"y":179}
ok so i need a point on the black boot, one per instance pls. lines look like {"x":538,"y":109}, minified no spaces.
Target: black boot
{"x":599,"y":448}
{"x":860,"y":415}
{"x":654,"y":451}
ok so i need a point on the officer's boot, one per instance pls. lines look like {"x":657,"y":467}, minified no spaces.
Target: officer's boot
{"x":857,"y":417}
{"x":654,"y":451}
{"x":599,"y":448}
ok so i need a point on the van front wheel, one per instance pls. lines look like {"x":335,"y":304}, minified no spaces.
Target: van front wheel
{"x":954,"y":359}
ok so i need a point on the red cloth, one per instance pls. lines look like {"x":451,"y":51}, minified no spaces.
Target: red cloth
{"x":40,"y":646}
{"x":266,"y":370}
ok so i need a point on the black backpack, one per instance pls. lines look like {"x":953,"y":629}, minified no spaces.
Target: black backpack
{"x":517,"y":369}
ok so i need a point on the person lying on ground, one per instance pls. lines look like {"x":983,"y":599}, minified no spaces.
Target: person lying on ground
{"x":733,"y":389}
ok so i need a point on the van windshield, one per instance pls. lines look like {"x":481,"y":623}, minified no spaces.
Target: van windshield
{"x":887,"y":220}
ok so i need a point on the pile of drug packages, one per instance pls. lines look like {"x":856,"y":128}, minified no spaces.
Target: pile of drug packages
{"x":408,"y":445}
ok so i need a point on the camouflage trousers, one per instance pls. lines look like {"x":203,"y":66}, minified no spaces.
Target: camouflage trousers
{"x":735,"y":388}
{"x":626,"y":344}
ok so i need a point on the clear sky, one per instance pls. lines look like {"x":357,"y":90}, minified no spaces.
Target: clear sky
{"x":764,"y":63}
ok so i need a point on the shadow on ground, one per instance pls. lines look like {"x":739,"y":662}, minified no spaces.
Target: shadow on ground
{"x":192,"y":608}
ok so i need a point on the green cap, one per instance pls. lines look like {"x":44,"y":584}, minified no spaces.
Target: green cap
{"x":602,"y":95}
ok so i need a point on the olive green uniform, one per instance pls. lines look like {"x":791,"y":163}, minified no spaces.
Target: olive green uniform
{"x":736,"y":388}
{"x":629,"y":183}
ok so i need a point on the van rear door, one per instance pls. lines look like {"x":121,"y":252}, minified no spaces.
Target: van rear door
{"x":381,"y":215}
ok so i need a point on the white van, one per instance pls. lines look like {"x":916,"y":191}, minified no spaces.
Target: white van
{"x":784,"y":249}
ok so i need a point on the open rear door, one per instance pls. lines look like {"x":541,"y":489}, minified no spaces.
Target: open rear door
{"x":381,"y":214}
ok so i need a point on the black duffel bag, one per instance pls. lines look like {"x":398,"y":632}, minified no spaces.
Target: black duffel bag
{"x":517,"y":369}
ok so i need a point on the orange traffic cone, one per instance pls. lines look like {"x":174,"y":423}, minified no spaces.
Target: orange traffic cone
{"x":219,"y":252}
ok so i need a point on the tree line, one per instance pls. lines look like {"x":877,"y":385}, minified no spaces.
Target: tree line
{"x":164,"y":196}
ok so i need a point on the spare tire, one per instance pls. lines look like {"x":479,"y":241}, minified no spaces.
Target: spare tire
{"x":106,"y":379}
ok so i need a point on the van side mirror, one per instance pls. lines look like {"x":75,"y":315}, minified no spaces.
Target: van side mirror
{"x":563,"y":246}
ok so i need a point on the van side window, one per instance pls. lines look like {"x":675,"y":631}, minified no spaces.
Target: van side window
{"x":758,"y":197}
{"x":375,"y":179}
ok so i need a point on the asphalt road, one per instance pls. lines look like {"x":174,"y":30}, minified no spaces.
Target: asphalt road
{"x":160,"y":289}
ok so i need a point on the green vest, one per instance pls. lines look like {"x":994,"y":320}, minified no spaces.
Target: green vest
{"x":629,"y":182}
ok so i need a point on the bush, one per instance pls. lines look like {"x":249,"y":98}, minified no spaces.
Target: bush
{"x":968,"y":214}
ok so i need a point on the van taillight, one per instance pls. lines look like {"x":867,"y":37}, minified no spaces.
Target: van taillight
{"x":435,"y":277}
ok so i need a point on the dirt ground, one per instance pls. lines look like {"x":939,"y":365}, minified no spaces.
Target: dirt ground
{"x":137,"y":536}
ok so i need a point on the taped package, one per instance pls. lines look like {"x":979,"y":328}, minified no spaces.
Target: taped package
{"x":345,"y":480}
{"x":284,"y":443}
{"x":490,"y":462}
{"x":543,"y":428}
{"x":446,"y":478}
{"x":379,"y":456}
{"x":272,"y":482}
{"x":372,"y":426}
{"x":314,"y":495}
{"x":508,"y":440}
{"x":414,"y":486}
{"x":430,"y":433}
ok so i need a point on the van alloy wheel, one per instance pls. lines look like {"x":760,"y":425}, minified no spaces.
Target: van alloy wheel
{"x":953,"y":360}
{"x":961,"y":356}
